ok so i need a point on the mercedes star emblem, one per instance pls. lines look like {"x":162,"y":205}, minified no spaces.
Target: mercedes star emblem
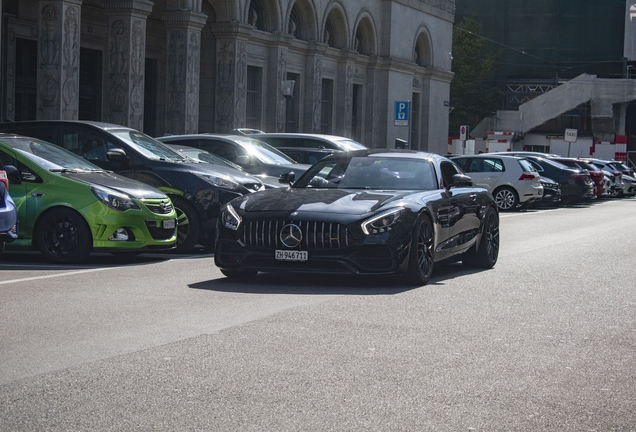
{"x":291,"y":235}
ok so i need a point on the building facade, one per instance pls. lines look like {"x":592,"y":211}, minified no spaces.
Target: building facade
{"x":187,"y":66}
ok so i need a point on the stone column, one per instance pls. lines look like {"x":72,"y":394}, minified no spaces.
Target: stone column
{"x":231,"y":75}
{"x":276,"y":106}
{"x":126,"y":61}
{"x":58,"y":59}
{"x":344,"y":104}
{"x":372,"y":112}
{"x":183,"y":54}
{"x":313,"y":87}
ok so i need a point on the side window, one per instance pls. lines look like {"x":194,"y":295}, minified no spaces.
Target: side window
{"x":448,"y":171}
{"x":5,"y":159}
{"x":463,"y":163}
{"x":493,"y":165}
{"x":319,"y":144}
{"x":86,"y":143}
{"x":223,"y":149}
{"x":41,"y":133}
{"x":536,"y":165}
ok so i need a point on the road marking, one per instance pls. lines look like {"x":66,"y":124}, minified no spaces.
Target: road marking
{"x":55,"y":275}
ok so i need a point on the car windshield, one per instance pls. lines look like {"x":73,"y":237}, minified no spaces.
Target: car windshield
{"x":50,"y":156}
{"x":371,"y":172}
{"x":349,"y":145}
{"x":588,"y":166}
{"x":149,"y":147}
{"x":204,"y":156}
{"x":265,"y":152}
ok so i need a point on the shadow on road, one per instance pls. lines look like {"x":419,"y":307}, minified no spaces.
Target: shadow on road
{"x":319,"y":284}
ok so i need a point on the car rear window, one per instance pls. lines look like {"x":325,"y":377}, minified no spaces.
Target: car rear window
{"x":526,"y":166}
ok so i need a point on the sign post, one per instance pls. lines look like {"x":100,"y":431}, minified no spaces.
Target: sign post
{"x":570,"y":137}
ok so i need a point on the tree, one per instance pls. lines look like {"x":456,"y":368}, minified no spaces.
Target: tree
{"x":471,"y":98}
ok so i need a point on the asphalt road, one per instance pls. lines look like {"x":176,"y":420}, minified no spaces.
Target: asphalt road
{"x":544,"y":341}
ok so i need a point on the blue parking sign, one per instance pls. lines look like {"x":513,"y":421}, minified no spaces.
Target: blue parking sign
{"x":402,"y":113}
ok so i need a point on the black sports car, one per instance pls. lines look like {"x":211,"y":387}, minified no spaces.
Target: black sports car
{"x":363,"y":212}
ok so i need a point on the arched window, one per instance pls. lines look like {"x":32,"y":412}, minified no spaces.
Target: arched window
{"x":255,"y":16}
{"x":295,"y":24}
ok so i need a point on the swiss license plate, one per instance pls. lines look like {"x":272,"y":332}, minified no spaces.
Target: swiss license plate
{"x":290,"y":255}
{"x":169,"y":224}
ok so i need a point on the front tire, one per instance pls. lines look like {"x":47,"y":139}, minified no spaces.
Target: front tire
{"x":63,"y":236}
{"x":486,"y":256}
{"x":506,"y":198}
{"x":422,"y":253}
{"x":188,"y":225}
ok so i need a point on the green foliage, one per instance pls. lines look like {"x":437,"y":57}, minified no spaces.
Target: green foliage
{"x":470,"y":98}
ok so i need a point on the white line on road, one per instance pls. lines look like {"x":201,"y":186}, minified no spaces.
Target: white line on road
{"x":55,"y":275}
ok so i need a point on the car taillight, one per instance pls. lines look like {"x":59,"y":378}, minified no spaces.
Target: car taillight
{"x":579,"y":176}
{"x":4,"y":179}
{"x":527,"y":176}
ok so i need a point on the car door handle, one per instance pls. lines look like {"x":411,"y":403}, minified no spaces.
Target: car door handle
{"x":37,"y":195}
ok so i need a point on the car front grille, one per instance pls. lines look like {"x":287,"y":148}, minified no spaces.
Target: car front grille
{"x":163,"y":206}
{"x":159,"y":233}
{"x":315,"y":235}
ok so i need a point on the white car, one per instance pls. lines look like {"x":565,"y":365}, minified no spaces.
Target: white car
{"x":512,"y":180}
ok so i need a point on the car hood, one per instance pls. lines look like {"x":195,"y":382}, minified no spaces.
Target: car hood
{"x":332,"y":201}
{"x":117,"y":182}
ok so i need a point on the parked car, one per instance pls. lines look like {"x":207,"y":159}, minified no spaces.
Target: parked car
{"x":364,"y":212}
{"x":8,"y":213}
{"x":622,"y":168}
{"x":305,"y":155}
{"x":222,"y":164}
{"x":197,"y":190}
{"x":614,"y":175}
{"x":512,"y":180}
{"x":629,"y":185}
{"x":596,"y":175}
{"x":69,"y":207}
{"x":317,"y":141}
{"x":551,"y":192}
{"x":254,"y":156}
{"x":575,"y":183}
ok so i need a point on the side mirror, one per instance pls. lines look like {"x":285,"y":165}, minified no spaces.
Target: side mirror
{"x":117,"y":155}
{"x":12,"y":174}
{"x":287,"y":178}
{"x":461,"y":180}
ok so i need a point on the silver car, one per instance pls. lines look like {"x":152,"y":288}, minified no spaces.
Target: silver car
{"x":512,"y":180}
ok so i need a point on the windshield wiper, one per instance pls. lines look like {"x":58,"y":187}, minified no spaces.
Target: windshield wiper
{"x":63,"y":170}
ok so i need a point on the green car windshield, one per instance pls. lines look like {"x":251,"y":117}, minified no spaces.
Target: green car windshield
{"x":52,"y":157}
{"x":149,"y":147}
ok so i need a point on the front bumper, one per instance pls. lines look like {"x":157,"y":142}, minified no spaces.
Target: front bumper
{"x":145,"y":229}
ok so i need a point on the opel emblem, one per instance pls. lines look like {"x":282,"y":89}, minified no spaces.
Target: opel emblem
{"x":291,"y":235}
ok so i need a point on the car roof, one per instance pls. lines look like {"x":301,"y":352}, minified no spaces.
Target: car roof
{"x":485,"y":155}
{"x":307,"y":135}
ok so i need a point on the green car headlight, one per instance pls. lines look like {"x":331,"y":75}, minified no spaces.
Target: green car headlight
{"x":220,"y":182}
{"x":382,"y":222}
{"x":113,"y":199}
{"x":231,"y":219}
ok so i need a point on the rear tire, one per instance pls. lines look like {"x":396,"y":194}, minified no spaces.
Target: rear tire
{"x":506,"y":198}
{"x":188,"y":225}
{"x":63,"y":236}
{"x":486,"y":256}
{"x":422,"y":253}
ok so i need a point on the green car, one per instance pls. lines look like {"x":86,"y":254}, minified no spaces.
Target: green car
{"x":68,"y":207}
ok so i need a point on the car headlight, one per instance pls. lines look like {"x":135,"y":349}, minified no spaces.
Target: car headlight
{"x":382,"y":222}
{"x":231,"y":219}
{"x":113,"y":199}
{"x":220,"y":182}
